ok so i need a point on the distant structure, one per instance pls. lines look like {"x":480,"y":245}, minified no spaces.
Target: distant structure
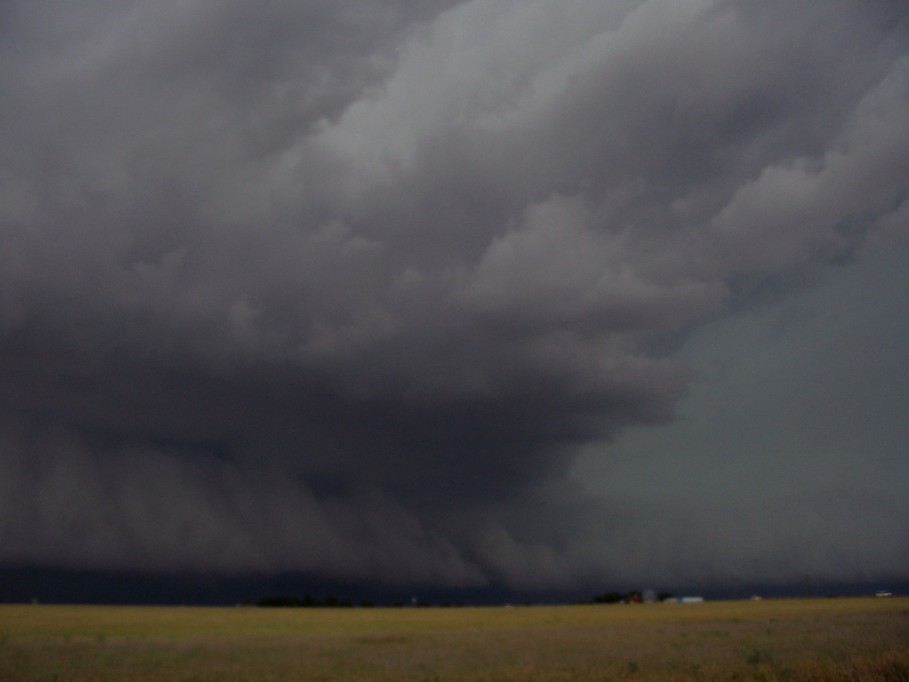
{"x":683,"y":600}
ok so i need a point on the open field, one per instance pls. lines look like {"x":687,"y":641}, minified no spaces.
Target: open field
{"x":819,"y":639}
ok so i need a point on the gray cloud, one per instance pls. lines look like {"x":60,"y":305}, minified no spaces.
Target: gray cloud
{"x":787,"y":456}
{"x":347,"y":288}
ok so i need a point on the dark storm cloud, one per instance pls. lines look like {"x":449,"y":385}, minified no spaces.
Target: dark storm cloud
{"x":343,"y":287}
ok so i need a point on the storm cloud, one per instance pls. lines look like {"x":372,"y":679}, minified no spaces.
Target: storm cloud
{"x":395,"y":291}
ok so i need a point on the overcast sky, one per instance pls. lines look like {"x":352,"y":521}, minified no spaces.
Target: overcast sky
{"x":531,"y":294}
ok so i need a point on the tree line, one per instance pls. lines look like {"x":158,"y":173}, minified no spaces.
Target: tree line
{"x":632,"y":597}
{"x":331,"y":601}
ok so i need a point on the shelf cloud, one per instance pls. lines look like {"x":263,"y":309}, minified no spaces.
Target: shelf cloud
{"x":455,"y":294}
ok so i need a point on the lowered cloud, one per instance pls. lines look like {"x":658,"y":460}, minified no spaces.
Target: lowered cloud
{"x":353,"y":289}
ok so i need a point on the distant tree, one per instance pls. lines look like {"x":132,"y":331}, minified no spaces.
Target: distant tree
{"x":329,"y":601}
{"x":277,"y":601}
{"x":608,"y":598}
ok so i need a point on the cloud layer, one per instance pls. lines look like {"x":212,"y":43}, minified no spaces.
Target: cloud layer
{"x":347,"y":288}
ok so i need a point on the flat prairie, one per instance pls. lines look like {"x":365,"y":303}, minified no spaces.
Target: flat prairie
{"x":828,"y":640}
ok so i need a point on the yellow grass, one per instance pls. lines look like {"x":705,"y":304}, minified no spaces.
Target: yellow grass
{"x":794,"y":640}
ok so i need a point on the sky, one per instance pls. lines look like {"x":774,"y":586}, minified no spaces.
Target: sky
{"x":517,"y":296}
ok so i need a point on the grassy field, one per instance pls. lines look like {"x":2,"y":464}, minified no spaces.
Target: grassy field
{"x":819,"y":639}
